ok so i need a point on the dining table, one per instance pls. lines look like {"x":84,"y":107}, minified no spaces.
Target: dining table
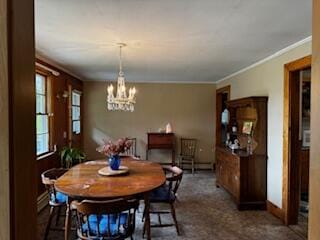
{"x":83,"y":181}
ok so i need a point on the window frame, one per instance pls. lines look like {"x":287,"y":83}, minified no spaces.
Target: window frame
{"x":47,"y":113}
{"x":77,"y":106}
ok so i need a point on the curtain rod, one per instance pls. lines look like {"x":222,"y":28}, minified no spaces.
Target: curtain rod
{"x":54,"y":72}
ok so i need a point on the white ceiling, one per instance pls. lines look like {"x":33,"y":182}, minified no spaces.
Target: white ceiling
{"x":168,"y":40}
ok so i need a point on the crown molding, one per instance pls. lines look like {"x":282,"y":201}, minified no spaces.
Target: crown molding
{"x":151,"y":82}
{"x":275,"y":55}
{"x":58,"y":66}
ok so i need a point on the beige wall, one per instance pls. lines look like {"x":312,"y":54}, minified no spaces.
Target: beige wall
{"x":314,"y":213}
{"x":4,"y":126}
{"x":267,"y":79}
{"x":190,"y":108}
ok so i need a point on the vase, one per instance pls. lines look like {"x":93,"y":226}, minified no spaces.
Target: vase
{"x":114,"y":162}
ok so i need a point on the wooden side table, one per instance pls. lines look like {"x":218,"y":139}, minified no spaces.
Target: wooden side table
{"x":161,"y":141}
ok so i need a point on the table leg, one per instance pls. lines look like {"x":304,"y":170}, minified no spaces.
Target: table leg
{"x":147,"y":215}
{"x":67,"y":225}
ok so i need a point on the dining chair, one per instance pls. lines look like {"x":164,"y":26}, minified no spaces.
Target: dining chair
{"x":166,"y":194}
{"x":57,"y":200}
{"x":188,"y":152}
{"x":132,"y":151}
{"x":105,"y":220}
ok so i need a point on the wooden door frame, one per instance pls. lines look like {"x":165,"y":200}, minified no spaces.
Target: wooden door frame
{"x":18,"y":218}
{"x":288,"y":176}
{"x":226,"y":89}
{"x":4,"y":125}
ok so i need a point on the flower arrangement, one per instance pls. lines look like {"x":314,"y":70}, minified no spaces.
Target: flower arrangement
{"x":110,"y":149}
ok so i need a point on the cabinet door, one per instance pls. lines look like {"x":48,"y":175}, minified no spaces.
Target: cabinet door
{"x":234,"y":182}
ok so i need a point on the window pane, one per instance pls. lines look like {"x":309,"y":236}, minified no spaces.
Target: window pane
{"x":75,"y":113}
{"x":42,"y":124}
{"x":76,"y":127}
{"x":41,"y":104}
{"x":75,"y":99}
{"x":40,"y":84}
{"x":42,"y":143}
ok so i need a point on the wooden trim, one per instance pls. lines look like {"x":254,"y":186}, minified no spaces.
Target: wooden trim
{"x":302,"y":63}
{"x":226,"y":89}
{"x":274,"y":210}
{"x":42,"y":201}
{"x":22,"y":131}
{"x":314,"y":193}
{"x":69,"y":116}
{"x":4,"y":126}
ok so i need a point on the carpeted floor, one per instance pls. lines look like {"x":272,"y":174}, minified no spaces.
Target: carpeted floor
{"x":206,"y":212}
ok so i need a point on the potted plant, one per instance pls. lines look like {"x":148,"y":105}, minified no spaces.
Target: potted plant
{"x":71,"y":156}
{"x":112,"y":151}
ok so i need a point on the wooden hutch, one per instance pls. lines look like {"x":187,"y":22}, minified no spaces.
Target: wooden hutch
{"x":244,"y":173}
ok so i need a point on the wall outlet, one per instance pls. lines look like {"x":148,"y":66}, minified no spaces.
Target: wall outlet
{"x":64,"y":134}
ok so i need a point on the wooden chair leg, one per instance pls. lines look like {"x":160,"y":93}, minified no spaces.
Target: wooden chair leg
{"x":58,"y":216}
{"x":173,"y":213}
{"x":192,"y":163}
{"x":49,"y":223}
{"x":144,"y":229}
{"x":143,"y":215}
{"x":159,"y":219}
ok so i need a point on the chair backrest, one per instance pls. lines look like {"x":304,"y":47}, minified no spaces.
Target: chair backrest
{"x":114,"y":219}
{"x":132,"y":151}
{"x":173,"y":177}
{"x":188,"y":147}
{"x":48,"y":178}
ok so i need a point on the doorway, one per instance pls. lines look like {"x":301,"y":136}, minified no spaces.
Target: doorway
{"x":296,"y":144}
{"x":222,"y":96}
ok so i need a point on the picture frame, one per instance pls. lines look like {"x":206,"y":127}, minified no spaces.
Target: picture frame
{"x":247,"y":127}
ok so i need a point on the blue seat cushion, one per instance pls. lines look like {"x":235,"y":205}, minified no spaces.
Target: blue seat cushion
{"x":162,"y":194}
{"x":91,"y":226}
{"x":59,"y":198}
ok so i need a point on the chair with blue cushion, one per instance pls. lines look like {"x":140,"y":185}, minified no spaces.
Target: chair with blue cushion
{"x":105,"y":220}
{"x":57,"y":200}
{"x":167,"y":194}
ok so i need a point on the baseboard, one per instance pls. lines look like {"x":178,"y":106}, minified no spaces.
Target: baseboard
{"x":42,"y":201}
{"x":275,"y":211}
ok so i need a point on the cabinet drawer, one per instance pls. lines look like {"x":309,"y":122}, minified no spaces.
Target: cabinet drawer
{"x":160,"y":139}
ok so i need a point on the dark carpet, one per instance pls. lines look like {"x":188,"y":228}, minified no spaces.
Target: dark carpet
{"x":205,"y":212}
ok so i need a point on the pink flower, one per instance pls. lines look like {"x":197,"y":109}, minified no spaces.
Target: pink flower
{"x":109,"y":148}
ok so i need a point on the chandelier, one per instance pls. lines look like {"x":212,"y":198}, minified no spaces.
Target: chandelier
{"x":121,"y":101}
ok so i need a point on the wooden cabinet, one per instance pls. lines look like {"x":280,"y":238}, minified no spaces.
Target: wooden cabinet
{"x":161,"y":141}
{"x":242,"y":174}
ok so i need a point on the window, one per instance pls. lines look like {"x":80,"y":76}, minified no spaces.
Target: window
{"x":76,"y":122}
{"x":42,"y":114}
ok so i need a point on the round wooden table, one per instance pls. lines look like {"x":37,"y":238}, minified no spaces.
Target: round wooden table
{"x":84,"y":182}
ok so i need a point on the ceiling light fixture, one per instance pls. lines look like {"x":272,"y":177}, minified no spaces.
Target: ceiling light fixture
{"x":121,"y":101}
